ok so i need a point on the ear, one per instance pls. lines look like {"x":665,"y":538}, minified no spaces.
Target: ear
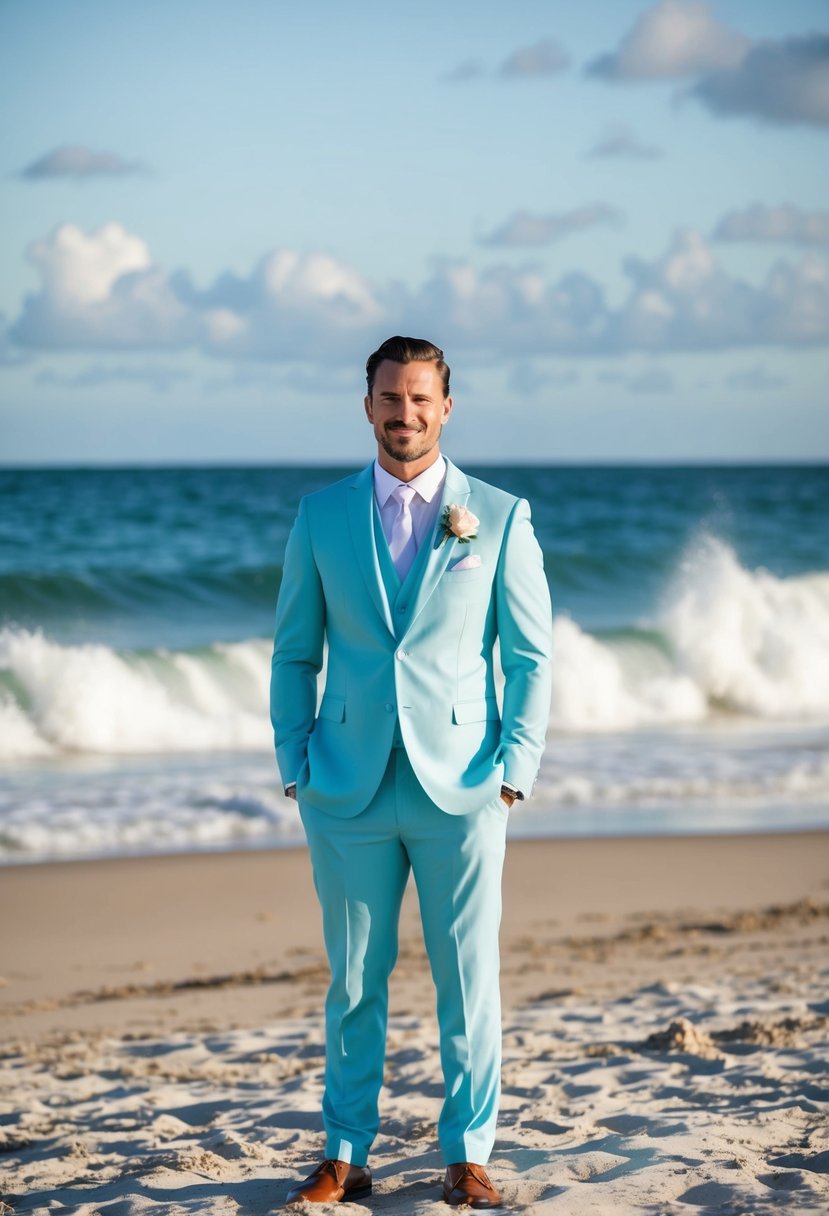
{"x":447,"y":408}
{"x":368,"y":409}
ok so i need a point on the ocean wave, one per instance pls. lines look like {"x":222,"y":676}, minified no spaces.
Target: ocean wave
{"x":92,"y":698}
{"x":726,"y":640}
{"x":98,"y":592}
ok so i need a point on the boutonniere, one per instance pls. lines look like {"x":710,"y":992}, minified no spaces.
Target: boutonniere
{"x":460,"y":523}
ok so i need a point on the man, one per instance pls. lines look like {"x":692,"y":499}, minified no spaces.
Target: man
{"x":410,"y":571}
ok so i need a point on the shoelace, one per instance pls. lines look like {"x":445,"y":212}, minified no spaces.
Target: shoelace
{"x":330,"y":1166}
{"x":469,"y":1169}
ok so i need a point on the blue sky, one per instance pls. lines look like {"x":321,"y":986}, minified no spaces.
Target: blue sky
{"x":613,"y":216}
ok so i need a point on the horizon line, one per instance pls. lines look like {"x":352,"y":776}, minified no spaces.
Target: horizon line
{"x":580,"y":462}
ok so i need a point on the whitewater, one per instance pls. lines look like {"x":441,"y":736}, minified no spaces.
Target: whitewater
{"x":692,"y":697}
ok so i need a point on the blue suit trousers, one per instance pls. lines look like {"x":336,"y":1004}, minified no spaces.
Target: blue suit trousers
{"x":361,"y":866}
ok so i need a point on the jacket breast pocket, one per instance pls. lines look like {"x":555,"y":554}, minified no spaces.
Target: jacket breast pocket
{"x":467,"y":576}
{"x":332,"y":709}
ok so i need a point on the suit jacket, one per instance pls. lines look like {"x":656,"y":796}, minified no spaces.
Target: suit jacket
{"x":418,"y":665}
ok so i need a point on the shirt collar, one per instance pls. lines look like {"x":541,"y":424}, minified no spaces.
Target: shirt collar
{"x":426,"y":483}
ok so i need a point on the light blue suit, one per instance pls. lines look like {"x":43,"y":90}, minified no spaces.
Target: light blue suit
{"x":401,"y":767}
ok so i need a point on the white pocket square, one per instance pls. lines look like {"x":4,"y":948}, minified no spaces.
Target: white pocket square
{"x":467,"y":563}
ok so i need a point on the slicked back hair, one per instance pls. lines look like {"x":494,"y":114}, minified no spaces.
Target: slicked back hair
{"x":407,"y":350}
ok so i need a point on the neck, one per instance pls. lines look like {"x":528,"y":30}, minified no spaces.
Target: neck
{"x":405,"y":470}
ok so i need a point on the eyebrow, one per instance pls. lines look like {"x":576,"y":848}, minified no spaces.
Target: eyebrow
{"x":393,"y":396}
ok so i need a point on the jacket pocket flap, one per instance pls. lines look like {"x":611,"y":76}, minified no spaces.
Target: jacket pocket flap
{"x":485,"y":710}
{"x":332,"y":709}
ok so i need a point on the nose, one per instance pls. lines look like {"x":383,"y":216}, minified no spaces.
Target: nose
{"x":407,"y":411}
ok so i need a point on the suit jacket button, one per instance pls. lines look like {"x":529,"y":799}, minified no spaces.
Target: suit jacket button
{"x":389,"y":708}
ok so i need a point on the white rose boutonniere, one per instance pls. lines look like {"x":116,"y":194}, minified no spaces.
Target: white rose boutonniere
{"x":460,"y":523}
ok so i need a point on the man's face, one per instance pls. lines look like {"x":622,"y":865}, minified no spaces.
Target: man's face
{"x":407,"y":409}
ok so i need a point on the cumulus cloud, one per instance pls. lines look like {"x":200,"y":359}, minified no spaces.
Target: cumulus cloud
{"x":620,"y":141}
{"x":508,"y":310}
{"x":775,"y":80}
{"x":522,"y":228}
{"x":74,"y":160}
{"x":780,"y":82}
{"x":672,"y":39}
{"x":102,"y":291}
{"x":784,"y":223}
{"x":291,"y":306}
{"x":544,"y":58}
{"x":686,"y":301}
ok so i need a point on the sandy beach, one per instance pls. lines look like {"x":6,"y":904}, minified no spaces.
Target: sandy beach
{"x":665,"y":1033}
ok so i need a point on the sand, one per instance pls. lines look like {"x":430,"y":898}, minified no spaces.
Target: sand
{"x":665,"y":1033}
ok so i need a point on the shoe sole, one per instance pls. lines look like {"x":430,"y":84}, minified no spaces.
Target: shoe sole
{"x":360,"y":1192}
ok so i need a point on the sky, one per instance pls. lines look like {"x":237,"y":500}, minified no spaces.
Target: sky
{"x":613,"y":217}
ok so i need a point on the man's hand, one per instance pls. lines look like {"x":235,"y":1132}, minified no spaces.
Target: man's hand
{"x":507,"y":797}
{"x":290,"y":791}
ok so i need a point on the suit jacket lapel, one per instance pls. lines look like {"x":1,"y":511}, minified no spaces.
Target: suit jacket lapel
{"x":361,"y":522}
{"x":455,"y":490}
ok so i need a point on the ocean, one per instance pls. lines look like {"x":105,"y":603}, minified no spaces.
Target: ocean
{"x":691,"y":643}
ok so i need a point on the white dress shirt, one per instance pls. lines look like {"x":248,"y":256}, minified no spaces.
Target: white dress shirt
{"x":425,"y":504}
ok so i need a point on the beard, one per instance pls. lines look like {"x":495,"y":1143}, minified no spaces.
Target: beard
{"x":409,"y":450}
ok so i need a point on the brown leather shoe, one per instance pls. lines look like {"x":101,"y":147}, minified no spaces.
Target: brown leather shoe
{"x":467,"y":1183}
{"x":331,"y":1182}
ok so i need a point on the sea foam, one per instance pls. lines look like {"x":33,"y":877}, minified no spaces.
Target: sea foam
{"x":91,"y":698}
{"x":726,"y":640}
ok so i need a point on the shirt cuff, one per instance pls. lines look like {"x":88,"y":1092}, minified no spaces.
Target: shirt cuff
{"x":290,"y":786}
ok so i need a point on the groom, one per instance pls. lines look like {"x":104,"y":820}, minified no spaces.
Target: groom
{"x":410,"y":571}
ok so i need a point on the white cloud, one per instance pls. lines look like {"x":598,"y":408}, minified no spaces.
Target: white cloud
{"x":620,"y":141}
{"x":544,"y":58}
{"x":686,"y":301}
{"x":292,"y":305}
{"x":83,"y":269}
{"x":74,"y":160}
{"x":784,"y":223}
{"x":780,"y":82}
{"x":523,"y":228}
{"x":102,"y":291}
{"x":506,"y":310}
{"x":672,"y":39}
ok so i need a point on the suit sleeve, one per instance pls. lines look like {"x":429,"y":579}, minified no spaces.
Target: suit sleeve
{"x":524,"y":617}
{"x":297,"y":650}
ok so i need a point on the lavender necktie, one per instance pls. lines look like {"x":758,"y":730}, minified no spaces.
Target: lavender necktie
{"x":402,"y":544}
